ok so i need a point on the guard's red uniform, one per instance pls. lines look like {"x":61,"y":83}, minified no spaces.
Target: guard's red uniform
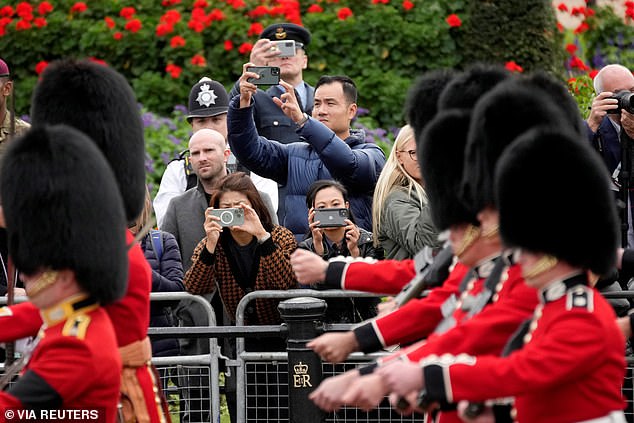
{"x":130,"y":318}
{"x":73,"y":367}
{"x":570,"y":368}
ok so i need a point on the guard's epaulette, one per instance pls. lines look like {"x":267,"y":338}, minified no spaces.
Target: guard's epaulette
{"x":580,"y":296}
{"x":5,"y":312}
{"x":76,"y":326}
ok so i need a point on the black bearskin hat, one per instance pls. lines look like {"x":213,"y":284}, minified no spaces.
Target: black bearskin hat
{"x":463,"y":91}
{"x":441,"y":156}
{"x":99,"y":102}
{"x":553,"y":194}
{"x":421,"y":103}
{"x":500,"y":116}
{"x":63,"y":210}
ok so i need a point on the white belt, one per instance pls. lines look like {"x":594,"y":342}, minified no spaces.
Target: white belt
{"x":613,"y":417}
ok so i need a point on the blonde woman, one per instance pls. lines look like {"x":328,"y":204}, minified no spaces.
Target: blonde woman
{"x":400,"y":213}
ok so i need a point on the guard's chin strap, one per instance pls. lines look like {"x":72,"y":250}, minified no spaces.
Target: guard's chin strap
{"x":472,"y":233}
{"x":544,"y":264}
{"x":47,"y":279}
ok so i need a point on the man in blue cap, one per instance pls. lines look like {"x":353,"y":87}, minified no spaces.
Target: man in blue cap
{"x":10,"y":125}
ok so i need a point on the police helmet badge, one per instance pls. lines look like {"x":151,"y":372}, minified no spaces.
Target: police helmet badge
{"x":206,"y":97}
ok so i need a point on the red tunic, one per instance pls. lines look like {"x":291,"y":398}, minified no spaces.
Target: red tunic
{"x":570,"y":369}
{"x":75,"y":366}
{"x":130,"y":318}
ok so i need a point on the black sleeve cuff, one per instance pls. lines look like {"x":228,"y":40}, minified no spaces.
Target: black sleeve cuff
{"x":369,"y":369}
{"x":502,"y":413}
{"x":334,"y":274}
{"x":268,"y":247}
{"x":206,"y":257}
{"x":366,"y":338}
{"x":435,"y":383}
{"x":36,"y":393}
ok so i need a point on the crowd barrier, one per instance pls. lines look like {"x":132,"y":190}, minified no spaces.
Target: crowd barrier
{"x":269,"y":391}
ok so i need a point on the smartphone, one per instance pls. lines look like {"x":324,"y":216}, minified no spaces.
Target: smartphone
{"x":331,"y":218}
{"x":285,"y":47}
{"x":269,"y":75}
{"x":229,"y":217}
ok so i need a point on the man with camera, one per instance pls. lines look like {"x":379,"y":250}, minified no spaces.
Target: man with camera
{"x":611,"y":112}
{"x":331,"y":149}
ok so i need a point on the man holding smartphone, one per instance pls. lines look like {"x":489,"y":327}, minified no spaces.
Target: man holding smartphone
{"x":270,"y":121}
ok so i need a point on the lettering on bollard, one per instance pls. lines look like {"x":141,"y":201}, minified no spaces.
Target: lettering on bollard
{"x":301,"y":378}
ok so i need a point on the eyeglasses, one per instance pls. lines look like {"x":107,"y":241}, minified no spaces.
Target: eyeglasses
{"x":412,"y":154}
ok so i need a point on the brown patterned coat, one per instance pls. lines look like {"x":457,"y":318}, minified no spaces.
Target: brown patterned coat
{"x":274,"y":271}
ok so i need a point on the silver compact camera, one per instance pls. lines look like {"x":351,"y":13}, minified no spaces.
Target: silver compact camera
{"x":229,"y":217}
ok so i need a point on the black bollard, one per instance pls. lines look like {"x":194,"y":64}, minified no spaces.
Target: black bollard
{"x":304,"y":366}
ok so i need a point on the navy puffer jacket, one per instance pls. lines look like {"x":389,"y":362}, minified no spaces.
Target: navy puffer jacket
{"x":167,"y":276}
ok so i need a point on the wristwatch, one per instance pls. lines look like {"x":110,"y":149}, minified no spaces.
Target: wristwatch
{"x":303,"y":120}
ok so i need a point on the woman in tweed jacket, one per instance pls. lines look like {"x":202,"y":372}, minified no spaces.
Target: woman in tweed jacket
{"x":240,"y":259}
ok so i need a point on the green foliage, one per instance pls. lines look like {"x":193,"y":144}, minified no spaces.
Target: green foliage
{"x":609,"y":39}
{"x":506,"y":30}
{"x":582,"y":90}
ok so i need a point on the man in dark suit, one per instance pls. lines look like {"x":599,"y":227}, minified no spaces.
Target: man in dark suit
{"x":604,"y":126}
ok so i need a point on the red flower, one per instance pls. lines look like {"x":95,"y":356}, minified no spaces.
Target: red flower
{"x":245,"y":48}
{"x":98,"y":61}
{"x":589,"y":12}
{"x":195,"y":25}
{"x":133,"y":25}
{"x":127,"y":13}
{"x":164,"y":29}
{"x":237,"y":4}
{"x":117,"y":35}
{"x":5,"y":21}
{"x":39,"y":68}
{"x":629,"y":12}
{"x":198,"y":60}
{"x":453,"y":20}
{"x":576,"y":11}
{"x":259,"y":11}
{"x":200,"y":3}
{"x":583,"y":27}
{"x":256,"y":28}
{"x":109,"y":22}
{"x":571,"y":48}
{"x":22,"y":25}
{"x":170,"y":2}
{"x":344,"y":13}
{"x":408,"y":5}
{"x":593,"y":73}
{"x":560,"y":27}
{"x":314,"y":8}
{"x":513,"y":67}
{"x":78,"y":7}
{"x":3,"y":31}
{"x":23,"y":9}
{"x":40,"y":22}
{"x":198,"y":14}
{"x":562,"y":7}
{"x":177,"y":41}
{"x":217,"y":15}
{"x":173,"y":70}
{"x":576,"y":62}
{"x":44,"y":8}
{"x":228,"y":45}
{"x":6,"y":11}
{"x":171,"y":17}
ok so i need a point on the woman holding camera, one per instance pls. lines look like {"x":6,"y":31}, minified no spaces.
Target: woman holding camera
{"x":248,"y":256}
{"x":346,"y":239}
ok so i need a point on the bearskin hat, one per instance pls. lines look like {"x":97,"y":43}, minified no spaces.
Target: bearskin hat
{"x":441,"y":156}
{"x":99,"y":102}
{"x":553,"y":194}
{"x":63,"y":210}
{"x":499,"y":117}
{"x":421,"y":103}
{"x":463,"y":91}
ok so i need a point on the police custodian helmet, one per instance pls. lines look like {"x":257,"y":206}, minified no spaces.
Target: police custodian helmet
{"x":207,"y":98}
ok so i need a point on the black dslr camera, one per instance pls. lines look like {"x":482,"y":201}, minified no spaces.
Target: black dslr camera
{"x":626,"y":102}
